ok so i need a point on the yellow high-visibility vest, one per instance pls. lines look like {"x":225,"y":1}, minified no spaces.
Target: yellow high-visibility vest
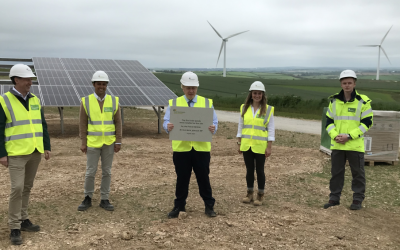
{"x":254,"y":131}
{"x":185,"y":146}
{"x":101,"y":127}
{"x":24,"y":130}
{"x":347,"y":117}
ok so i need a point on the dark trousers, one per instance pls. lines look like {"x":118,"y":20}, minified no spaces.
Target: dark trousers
{"x":356,"y":161}
{"x":257,"y":162}
{"x":200,"y":163}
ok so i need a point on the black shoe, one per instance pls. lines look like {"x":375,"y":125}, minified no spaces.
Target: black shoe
{"x":86,"y":203}
{"x":175,"y":212}
{"x":26,"y":225}
{"x":210,"y":212}
{"x":331,"y":203}
{"x":356,"y":205}
{"x":15,"y":237}
{"x":106,"y":205}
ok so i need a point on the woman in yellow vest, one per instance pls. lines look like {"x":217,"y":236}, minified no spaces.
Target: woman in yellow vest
{"x":256,"y":132}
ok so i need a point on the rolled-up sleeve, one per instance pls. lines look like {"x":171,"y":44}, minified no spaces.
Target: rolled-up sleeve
{"x":166,"y":119}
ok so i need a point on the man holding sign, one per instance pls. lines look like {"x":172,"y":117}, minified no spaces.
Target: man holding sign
{"x":190,"y":155}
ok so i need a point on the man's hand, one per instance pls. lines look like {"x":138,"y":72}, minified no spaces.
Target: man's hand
{"x":84,"y":149}
{"x":117,"y":148}
{"x":341,"y":139}
{"x":212,"y":129}
{"x":47,"y":154}
{"x":268,"y":151}
{"x":240,"y":152}
{"x":170,"y":126}
{"x":4,"y":161}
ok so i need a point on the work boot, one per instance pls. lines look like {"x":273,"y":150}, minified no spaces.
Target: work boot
{"x":259,"y":199}
{"x":175,"y":212}
{"x":209,"y":211}
{"x":86,"y":203}
{"x":26,"y":225}
{"x":15,"y":237}
{"x":356,"y":205}
{"x":106,"y":205}
{"x":331,"y":203}
{"x":249,"y":197}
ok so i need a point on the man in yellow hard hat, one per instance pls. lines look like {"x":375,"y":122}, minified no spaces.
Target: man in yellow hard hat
{"x":349,"y":116}
{"x":191,"y":155}
{"x":23,"y":138}
{"x":100,"y":130}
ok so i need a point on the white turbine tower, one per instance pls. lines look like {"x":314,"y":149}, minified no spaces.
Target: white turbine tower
{"x":379,"y":52}
{"x":223,"y":45}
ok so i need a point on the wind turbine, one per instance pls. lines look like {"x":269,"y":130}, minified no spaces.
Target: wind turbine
{"x":379,"y":52}
{"x":223,"y":45}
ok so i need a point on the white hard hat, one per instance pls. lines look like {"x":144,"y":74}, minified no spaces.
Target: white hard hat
{"x":190,"y":79}
{"x":21,"y":70}
{"x":347,"y":73}
{"x":257,"y":85}
{"x":100,"y":76}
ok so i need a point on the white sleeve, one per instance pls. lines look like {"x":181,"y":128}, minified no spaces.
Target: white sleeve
{"x":271,"y":128}
{"x":240,"y":127}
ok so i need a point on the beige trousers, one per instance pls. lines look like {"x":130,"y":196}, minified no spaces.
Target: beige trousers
{"x":106,"y":153}
{"x":22,"y":171}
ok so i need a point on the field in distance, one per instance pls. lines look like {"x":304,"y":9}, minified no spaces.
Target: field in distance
{"x":308,"y":89}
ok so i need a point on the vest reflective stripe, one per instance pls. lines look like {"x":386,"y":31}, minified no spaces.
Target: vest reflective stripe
{"x":330,"y":128}
{"x":100,"y":133}
{"x":101,"y":128}
{"x":254,"y":130}
{"x":366,"y":112}
{"x":361,"y":127}
{"x":23,"y":136}
{"x":266,"y":120}
{"x":185,"y":146}
{"x":349,"y":118}
{"x":255,"y":127}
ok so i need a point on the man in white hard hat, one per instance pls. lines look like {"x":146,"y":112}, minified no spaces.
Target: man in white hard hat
{"x":188,"y":155}
{"x":23,"y":138}
{"x":100,"y":129}
{"x":349,"y":116}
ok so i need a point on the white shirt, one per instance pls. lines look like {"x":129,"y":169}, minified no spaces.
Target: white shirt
{"x":98,"y":98}
{"x":270,"y":126}
{"x":24,"y":97}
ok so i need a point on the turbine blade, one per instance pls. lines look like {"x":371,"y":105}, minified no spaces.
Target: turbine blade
{"x":386,"y":34}
{"x":214,"y":29}
{"x":222,"y":45}
{"x":236,"y":34}
{"x":385,"y":55}
{"x":368,"y":45}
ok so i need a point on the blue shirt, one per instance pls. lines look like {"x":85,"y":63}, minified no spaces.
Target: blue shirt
{"x":167,"y":115}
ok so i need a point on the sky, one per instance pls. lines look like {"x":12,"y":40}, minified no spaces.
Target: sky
{"x":175,"y":33}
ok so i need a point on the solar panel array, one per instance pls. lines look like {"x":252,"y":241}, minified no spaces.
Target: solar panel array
{"x":64,"y":81}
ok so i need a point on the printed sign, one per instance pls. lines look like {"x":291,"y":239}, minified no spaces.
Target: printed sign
{"x":191,"y":124}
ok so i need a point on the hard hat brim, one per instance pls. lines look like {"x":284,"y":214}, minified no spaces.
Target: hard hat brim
{"x":191,"y":84}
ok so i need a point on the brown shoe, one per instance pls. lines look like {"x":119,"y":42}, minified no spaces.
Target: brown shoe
{"x":249,"y":197}
{"x":259,"y":200}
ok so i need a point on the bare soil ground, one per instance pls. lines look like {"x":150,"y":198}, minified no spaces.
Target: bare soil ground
{"x":143,"y":183}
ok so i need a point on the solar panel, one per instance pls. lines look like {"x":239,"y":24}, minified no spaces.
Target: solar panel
{"x":63,"y":81}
